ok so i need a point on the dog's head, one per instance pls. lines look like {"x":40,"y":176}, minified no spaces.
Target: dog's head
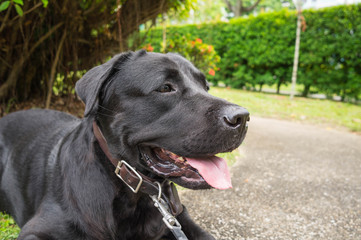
{"x":155,"y":112}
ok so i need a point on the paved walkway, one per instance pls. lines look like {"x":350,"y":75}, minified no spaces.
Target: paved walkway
{"x":293,"y":181}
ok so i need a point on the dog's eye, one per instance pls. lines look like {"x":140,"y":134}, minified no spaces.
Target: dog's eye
{"x":165,"y":88}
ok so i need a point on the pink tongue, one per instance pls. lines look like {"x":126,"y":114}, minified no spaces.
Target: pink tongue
{"x":214,"y":170}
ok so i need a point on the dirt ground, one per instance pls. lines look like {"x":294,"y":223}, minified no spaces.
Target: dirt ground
{"x":292,"y":181}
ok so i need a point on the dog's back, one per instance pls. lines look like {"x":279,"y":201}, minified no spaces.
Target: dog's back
{"x":25,"y":138}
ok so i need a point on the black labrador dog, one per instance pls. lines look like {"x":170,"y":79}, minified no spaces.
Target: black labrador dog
{"x":149,"y":117}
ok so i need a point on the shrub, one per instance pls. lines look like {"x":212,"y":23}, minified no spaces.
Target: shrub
{"x":259,"y":50}
{"x":202,"y":55}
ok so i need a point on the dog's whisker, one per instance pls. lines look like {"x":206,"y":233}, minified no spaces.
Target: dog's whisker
{"x":106,"y":115}
{"x":106,"y":109}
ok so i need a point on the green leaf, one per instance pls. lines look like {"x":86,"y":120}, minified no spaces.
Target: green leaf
{"x":20,"y":2}
{"x":19,"y":10}
{"x":45,"y":3}
{"x":4,"y":5}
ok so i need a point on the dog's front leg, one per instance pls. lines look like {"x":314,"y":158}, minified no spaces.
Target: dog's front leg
{"x":191,"y":229}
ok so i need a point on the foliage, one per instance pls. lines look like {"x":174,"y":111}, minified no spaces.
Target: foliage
{"x":247,"y":7}
{"x":259,"y":50}
{"x":273,"y":5}
{"x":200,"y":54}
{"x":8,"y":228}
{"x":62,"y":84}
{"x":17,"y":4}
{"x":241,"y":7}
{"x":40,"y":39}
{"x":209,"y":11}
{"x":148,"y":47}
{"x":181,"y":11}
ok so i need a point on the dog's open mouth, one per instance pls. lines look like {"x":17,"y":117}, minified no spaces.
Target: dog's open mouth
{"x":204,"y":172}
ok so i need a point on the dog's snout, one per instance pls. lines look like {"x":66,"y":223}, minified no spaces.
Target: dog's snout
{"x":235,"y":116}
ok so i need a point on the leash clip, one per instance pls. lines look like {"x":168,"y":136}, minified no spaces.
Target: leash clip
{"x":169,"y":220}
{"x":117,"y":172}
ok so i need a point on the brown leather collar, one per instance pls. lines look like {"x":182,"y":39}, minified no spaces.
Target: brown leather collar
{"x":137,"y":181}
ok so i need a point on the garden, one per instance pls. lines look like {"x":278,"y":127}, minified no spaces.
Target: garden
{"x":258,"y":51}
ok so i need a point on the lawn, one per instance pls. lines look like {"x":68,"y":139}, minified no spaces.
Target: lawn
{"x":323,"y":112}
{"x":8,"y":229}
{"x":327,"y":113}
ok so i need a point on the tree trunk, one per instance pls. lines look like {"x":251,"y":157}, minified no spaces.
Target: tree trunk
{"x":121,"y":47}
{"x":53,"y":70}
{"x":344,"y":82}
{"x":279,"y":83}
{"x":10,"y":84}
{"x":306,"y":90}
{"x":297,"y":52}
{"x":164,"y":33}
{"x":8,"y":87}
{"x":239,"y":9}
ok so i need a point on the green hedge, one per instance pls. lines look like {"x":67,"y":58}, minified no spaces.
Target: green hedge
{"x":259,"y":50}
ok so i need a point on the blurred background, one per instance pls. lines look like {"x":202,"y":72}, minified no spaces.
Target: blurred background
{"x":45,"y":47}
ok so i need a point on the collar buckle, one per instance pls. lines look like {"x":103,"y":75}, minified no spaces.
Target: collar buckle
{"x":118,"y":171}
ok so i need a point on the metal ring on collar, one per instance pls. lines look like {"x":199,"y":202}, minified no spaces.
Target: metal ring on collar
{"x":160,"y":190}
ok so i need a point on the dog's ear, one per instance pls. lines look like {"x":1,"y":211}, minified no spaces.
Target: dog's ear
{"x":88,"y":87}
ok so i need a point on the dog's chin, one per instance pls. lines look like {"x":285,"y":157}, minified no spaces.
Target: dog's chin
{"x":177,"y":169}
{"x":191,"y":183}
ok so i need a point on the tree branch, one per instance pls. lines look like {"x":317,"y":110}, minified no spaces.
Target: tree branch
{"x":43,"y":38}
{"x":250,"y":8}
{"x":119,"y":26}
{"x":94,"y":6}
{"x":26,"y":12}
{"x":229,"y":5}
{"x":5,"y":62}
{"x":53,"y":69}
{"x":5,"y":19}
{"x":18,"y":65}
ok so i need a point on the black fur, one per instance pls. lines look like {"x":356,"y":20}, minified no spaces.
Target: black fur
{"x":58,"y":184}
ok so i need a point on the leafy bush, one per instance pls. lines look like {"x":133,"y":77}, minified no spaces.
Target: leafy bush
{"x":8,"y":228}
{"x":63,"y":85}
{"x":259,"y":50}
{"x":202,"y":55}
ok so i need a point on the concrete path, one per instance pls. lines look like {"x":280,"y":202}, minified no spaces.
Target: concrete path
{"x":292,"y":181}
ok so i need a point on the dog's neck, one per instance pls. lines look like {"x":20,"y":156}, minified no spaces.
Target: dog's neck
{"x":101,"y":193}
{"x":137,"y":181}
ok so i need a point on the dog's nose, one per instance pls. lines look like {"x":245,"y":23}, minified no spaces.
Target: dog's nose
{"x":235,"y":116}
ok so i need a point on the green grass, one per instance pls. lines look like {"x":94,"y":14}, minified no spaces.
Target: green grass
{"x":288,"y":87}
{"x":315,"y":111}
{"x":8,"y":228}
{"x":231,"y":157}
